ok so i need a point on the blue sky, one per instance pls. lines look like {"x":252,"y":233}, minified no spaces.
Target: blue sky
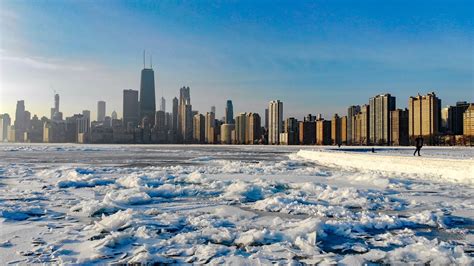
{"x":315,"y":56}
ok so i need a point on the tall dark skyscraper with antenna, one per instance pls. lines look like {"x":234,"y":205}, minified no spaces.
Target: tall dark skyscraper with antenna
{"x":147,"y":93}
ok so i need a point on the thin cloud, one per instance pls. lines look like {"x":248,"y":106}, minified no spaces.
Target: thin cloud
{"x":40,"y":63}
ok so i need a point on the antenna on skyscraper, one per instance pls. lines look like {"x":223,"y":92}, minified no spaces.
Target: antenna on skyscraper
{"x":143,"y":58}
{"x":151,"y":62}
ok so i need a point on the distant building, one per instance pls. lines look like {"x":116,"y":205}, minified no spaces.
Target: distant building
{"x":185,"y":116}
{"x":351,"y":112}
{"x":336,"y":130}
{"x":307,"y":133}
{"x":5,"y":123}
{"x":240,"y":128}
{"x":229,"y":113}
{"x":131,"y":116}
{"x":323,"y":132}
{"x":175,"y":114}
{"x":114,"y":115}
{"x":344,"y":130}
{"x":160,"y":121}
{"x":22,"y":120}
{"x":455,"y":118}
{"x":56,"y":115}
{"x":291,"y":128}
{"x":163,"y":104}
{"x":468,"y":122}
{"x":424,"y":117}
{"x":101,"y":111}
{"x":266,"y":118}
{"x":226,"y":133}
{"x":361,"y":126}
{"x":147,"y":94}
{"x":199,"y":130}
{"x":254,"y":132}
{"x":380,"y":107}
{"x":210,"y":124}
{"x":399,"y":131}
{"x":275,"y":123}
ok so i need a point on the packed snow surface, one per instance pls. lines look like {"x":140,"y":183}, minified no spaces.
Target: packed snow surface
{"x":100,"y":204}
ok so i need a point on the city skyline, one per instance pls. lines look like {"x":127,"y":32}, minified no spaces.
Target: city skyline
{"x":314,"y":60}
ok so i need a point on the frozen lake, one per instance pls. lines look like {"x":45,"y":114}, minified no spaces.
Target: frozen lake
{"x":241,"y":204}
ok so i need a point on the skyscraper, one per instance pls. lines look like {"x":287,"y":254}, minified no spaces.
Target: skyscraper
{"x":56,"y":115}
{"x":380,"y":107}
{"x":240,"y":128}
{"x":147,"y":93}
{"x":113,"y":115}
{"x":100,"y":111}
{"x":361,"y":126}
{"x":213,"y":109}
{"x":399,"y":130}
{"x":336,"y":130}
{"x":185,"y":116}
{"x":229,"y":113}
{"x":424,"y":116}
{"x":5,"y":122}
{"x":468,"y":123}
{"x":254,"y":128}
{"x":275,"y":123}
{"x":351,"y":111}
{"x":163,"y":104}
{"x":130,"y":108}
{"x":210,"y":124}
{"x":175,"y":114}
{"x":199,"y":128}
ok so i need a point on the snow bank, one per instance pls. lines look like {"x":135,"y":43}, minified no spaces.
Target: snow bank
{"x":458,"y":171}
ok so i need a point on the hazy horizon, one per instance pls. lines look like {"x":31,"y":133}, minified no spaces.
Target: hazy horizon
{"x":316,"y":57}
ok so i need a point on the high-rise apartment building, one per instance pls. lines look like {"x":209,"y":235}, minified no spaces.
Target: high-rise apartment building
{"x":100,"y":111}
{"x":5,"y":123}
{"x":323,"y":132}
{"x":361,"y":126}
{"x":344,"y":130}
{"x":351,"y":112}
{"x":226,"y":133}
{"x":229,"y":113}
{"x":380,"y":107}
{"x":399,"y":127}
{"x":240,"y":128}
{"x":210,"y":124}
{"x":290,"y":127}
{"x":454,"y":123}
{"x":307,"y":132}
{"x":175,"y":112}
{"x":254,"y":128}
{"x":336,"y":130}
{"x":424,"y":117}
{"x":468,"y":122}
{"x":275,"y":123}
{"x":199,"y":128}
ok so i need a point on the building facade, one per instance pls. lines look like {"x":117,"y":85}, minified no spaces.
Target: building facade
{"x":380,"y":107}
{"x":424,"y":117}
{"x":275,"y":123}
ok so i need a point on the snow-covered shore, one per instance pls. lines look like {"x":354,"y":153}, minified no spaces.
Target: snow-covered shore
{"x":450,"y":170}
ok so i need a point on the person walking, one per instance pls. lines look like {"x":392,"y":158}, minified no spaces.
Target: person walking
{"x":418,"y":144}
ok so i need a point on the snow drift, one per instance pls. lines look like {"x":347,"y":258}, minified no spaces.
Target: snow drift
{"x":458,"y":171}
